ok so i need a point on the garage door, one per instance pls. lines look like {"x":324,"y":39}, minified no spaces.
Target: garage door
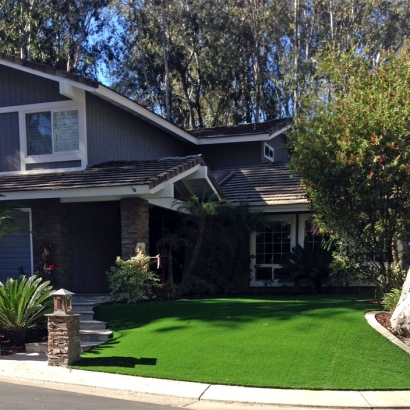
{"x":15,"y":250}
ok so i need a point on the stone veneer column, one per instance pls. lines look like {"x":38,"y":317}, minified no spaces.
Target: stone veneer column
{"x":134,"y":225}
{"x":64,"y":346}
{"x":51,"y":223}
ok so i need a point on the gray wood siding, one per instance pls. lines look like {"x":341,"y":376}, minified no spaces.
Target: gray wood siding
{"x":15,"y":251}
{"x":278,"y":143}
{"x":9,"y":142}
{"x":220,"y":156}
{"x":20,"y":88}
{"x":114,"y":135}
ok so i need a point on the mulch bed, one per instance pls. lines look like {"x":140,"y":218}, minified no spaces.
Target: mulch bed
{"x":34,"y":335}
{"x":384,"y":319}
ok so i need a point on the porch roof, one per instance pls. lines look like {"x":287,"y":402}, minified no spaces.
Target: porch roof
{"x":149,"y":173}
{"x":267,"y":184}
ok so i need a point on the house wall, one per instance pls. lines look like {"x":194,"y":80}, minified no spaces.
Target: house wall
{"x":280,"y":152}
{"x":134,"y":225}
{"x":84,"y":238}
{"x":222,"y":156}
{"x":51,"y":223}
{"x":9,"y":142}
{"x":20,"y":88}
{"x":114,"y":135}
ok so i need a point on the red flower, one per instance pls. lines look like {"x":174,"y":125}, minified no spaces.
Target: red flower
{"x":343,"y":119}
{"x":380,"y":159}
{"x":371,"y":175}
{"x":51,"y":267}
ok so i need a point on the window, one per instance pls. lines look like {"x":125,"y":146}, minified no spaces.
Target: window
{"x":52,"y":131}
{"x":269,"y":152}
{"x":312,"y":238}
{"x":273,"y":242}
{"x":270,"y":244}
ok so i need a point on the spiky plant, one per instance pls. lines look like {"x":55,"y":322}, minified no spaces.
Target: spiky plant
{"x":23,"y":302}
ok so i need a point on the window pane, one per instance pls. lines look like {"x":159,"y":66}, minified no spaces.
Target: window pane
{"x":65,"y":131}
{"x":39,"y":133}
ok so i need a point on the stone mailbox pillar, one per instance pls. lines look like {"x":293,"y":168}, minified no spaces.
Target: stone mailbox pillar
{"x":64,"y":345}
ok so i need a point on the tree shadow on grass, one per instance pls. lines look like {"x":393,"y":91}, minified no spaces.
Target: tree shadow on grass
{"x":229,"y":312}
{"x":116,"y":361}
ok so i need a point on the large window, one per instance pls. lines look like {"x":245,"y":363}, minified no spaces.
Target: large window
{"x":52,"y":131}
{"x":269,"y":246}
{"x":311,"y":237}
{"x":273,"y":242}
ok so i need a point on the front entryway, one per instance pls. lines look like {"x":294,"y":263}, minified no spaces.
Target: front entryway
{"x":96,"y":242}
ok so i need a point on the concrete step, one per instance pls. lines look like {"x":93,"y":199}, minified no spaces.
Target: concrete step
{"x":92,"y":325}
{"x":43,"y":347}
{"x":83,"y":306}
{"x":86,"y":315}
{"x":95,"y":335}
{"x":79,"y":298}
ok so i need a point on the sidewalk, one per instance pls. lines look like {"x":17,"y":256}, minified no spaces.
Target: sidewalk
{"x":33,"y":368}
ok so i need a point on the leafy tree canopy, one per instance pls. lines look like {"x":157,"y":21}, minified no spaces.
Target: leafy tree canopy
{"x":351,"y":147}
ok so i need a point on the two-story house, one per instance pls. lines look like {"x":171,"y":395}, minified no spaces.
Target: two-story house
{"x":91,"y":169}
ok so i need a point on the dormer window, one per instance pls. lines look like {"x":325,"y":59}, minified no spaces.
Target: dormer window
{"x":52,"y":131}
{"x":268,"y":152}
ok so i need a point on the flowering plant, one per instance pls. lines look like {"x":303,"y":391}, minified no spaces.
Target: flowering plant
{"x":44,"y":269}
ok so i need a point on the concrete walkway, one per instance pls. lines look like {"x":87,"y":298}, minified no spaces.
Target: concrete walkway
{"x":33,"y":369}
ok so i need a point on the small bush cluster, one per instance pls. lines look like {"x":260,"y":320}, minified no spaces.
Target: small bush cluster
{"x":391,"y":299}
{"x":132,"y":280}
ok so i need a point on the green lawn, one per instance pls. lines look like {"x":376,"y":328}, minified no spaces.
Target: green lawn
{"x":313,"y":342}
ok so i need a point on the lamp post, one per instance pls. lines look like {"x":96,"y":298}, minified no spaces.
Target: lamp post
{"x":64,"y":345}
{"x":62,"y":302}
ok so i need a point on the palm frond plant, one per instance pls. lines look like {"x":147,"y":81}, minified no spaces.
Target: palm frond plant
{"x":23,"y":302}
{"x":199,"y":213}
{"x":308,"y":267}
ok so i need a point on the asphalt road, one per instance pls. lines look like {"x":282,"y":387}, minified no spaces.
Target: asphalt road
{"x":20,"y":397}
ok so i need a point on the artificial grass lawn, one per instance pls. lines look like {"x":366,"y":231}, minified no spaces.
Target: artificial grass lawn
{"x":312,"y":342}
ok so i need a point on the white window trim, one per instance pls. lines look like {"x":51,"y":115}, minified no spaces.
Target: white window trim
{"x":274,"y":282}
{"x":271,"y":149}
{"x":80,"y":155}
{"x":57,"y":156}
{"x":302,"y":219}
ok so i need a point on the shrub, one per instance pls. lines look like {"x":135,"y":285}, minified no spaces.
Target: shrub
{"x":23,"y":302}
{"x":132,"y":280}
{"x":391,"y":299}
{"x":308,"y":267}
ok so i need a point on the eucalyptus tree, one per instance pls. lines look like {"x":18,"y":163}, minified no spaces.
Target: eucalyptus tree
{"x":63,"y":34}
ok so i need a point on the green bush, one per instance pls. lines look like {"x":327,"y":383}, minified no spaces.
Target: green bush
{"x":391,"y":299}
{"x":308,"y":267}
{"x":132,"y":280}
{"x":23,"y":302}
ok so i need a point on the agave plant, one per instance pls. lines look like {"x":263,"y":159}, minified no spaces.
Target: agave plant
{"x":23,"y":302}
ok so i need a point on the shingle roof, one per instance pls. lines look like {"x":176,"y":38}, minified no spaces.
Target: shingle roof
{"x":242,"y":129}
{"x":263,"y":184}
{"x":48,"y":70}
{"x":108,"y":174}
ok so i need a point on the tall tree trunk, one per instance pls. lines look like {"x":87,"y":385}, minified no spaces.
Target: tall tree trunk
{"x":400,"y":320}
{"x":165,"y":54}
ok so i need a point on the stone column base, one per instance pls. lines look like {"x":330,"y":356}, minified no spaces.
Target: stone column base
{"x":64,"y":345}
